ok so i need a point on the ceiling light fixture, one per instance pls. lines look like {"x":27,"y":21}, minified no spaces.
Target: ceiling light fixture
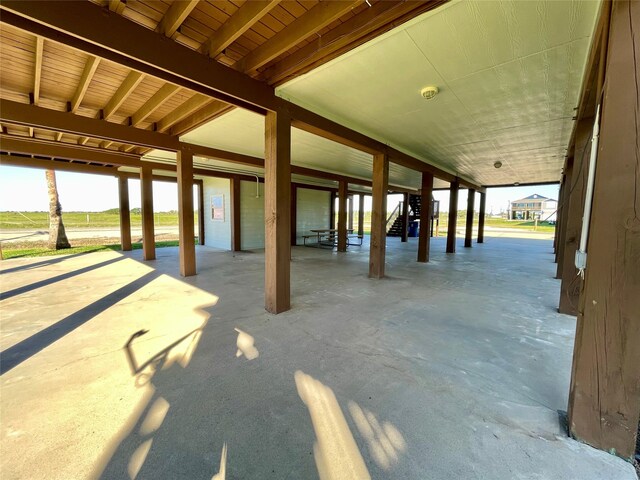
{"x":516,"y":184}
{"x":498,"y":164}
{"x":429,"y":92}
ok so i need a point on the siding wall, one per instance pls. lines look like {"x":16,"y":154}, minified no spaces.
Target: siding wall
{"x":251,"y":216}
{"x":313,"y":212}
{"x":217,"y":234}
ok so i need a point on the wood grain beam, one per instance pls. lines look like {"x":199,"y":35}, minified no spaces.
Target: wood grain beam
{"x":311,"y":22}
{"x":163,"y":94}
{"x":146,"y":202}
{"x":90,"y":68}
{"x":277,"y":209}
{"x":426,"y":205}
{"x":200,"y":117}
{"x":125,"y":213}
{"x":175,"y":15}
{"x":27,"y":161}
{"x":183,"y":111}
{"x":186,"y":230}
{"x":64,"y":122}
{"x":37,"y":74}
{"x":125,"y":89}
{"x":378,"y":239}
{"x":241,"y":21}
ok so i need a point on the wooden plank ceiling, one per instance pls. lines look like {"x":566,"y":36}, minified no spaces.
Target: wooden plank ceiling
{"x":272,"y":41}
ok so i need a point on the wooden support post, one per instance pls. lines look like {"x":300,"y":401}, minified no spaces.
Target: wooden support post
{"x":405,"y":217}
{"x":568,"y":178}
{"x":558,"y":214}
{"x":350,"y":217}
{"x":200,"y":212}
{"x":604,"y":400}
{"x":148,"y":235}
{"x":236,"y":233}
{"x":482,"y":213}
{"x":125,"y":214}
{"x":277,"y":211}
{"x":574,"y":205}
{"x":332,"y":210}
{"x":378,"y":241}
{"x":343,"y":188}
{"x":361,"y":215}
{"x":453,"y":216}
{"x":468,"y":233}
{"x":187,"y":246}
{"x":425,"y":217}
{"x":294,"y":215}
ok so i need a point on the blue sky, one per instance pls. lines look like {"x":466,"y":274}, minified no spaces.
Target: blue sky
{"x":25,"y":189}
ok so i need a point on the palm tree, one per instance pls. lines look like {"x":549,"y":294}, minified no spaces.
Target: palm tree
{"x":57,"y":236}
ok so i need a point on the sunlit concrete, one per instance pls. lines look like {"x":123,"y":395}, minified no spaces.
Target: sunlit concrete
{"x":452,"y":369}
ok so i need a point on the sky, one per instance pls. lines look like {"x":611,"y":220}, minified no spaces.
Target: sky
{"x":25,"y":189}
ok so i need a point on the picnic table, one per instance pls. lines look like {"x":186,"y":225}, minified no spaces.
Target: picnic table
{"x":326,"y":237}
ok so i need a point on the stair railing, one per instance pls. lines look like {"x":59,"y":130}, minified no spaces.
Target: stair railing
{"x":394,"y":214}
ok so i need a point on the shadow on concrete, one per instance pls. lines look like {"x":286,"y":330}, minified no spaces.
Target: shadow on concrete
{"x":44,"y":263}
{"x":18,"y":353}
{"x":59,"y":278}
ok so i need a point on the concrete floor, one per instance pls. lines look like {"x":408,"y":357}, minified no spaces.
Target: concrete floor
{"x":448,"y":370}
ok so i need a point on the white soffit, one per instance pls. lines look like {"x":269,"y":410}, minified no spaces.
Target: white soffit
{"x":242,"y":131}
{"x":509,"y":74}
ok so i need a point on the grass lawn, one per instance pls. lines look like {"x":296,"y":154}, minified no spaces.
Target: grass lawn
{"x":44,"y":252}
{"x":110,"y":218}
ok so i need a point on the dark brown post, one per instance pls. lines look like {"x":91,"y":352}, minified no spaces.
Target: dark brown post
{"x":342,"y":215}
{"x":468,"y":233}
{"x":604,"y":400}
{"x":378,"y":241}
{"x":236,"y":234}
{"x":568,"y":178}
{"x":405,"y":217}
{"x":425,"y":217}
{"x":146,"y":192}
{"x":453,"y":216}
{"x":350,"y":222}
{"x":125,"y":214}
{"x":558,"y":210}
{"x":201,"y":212}
{"x":294,"y":215}
{"x":332,"y":210}
{"x":186,"y":246}
{"x":361,"y":215}
{"x":574,"y":205}
{"x":482,"y":213}
{"x":277,"y":211}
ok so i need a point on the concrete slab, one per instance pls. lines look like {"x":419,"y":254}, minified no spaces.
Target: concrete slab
{"x":452,"y":369}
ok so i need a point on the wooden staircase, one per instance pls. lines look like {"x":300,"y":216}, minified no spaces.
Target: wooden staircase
{"x":394,"y":221}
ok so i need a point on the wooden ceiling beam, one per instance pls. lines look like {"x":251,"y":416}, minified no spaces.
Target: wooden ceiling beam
{"x":85,"y":80}
{"x":311,"y":22}
{"x":64,"y":122}
{"x":66,"y":166}
{"x":183,"y":111}
{"x":37,"y":74}
{"x":175,"y":15}
{"x":241,"y":21}
{"x":200,"y":117}
{"x":162,"y":95}
{"x":117,"y":6}
{"x":105,"y":34}
{"x":125,"y":89}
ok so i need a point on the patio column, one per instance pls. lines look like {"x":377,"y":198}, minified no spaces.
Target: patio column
{"x":332,"y":210}
{"x":568,"y":181}
{"x":558,"y":214}
{"x":453,"y":216}
{"x":277,"y":211}
{"x":146,"y":192}
{"x":378,"y":240}
{"x":201,"y":213}
{"x":350,"y":222}
{"x":361,"y":215}
{"x":604,"y":400}
{"x":294,"y":215}
{"x":405,"y":217}
{"x":424,"y":238}
{"x":236,"y":235}
{"x":574,"y":205}
{"x":342,"y":215}
{"x":187,"y":246}
{"x":468,"y":233}
{"x":483,"y":208}
{"x":125,"y":214}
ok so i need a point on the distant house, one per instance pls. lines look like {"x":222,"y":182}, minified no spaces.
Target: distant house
{"x":534,"y":206}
